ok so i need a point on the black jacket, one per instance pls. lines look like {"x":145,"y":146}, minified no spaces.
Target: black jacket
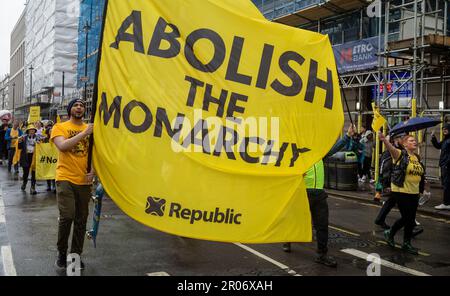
{"x":444,"y":159}
{"x":24,"y":161}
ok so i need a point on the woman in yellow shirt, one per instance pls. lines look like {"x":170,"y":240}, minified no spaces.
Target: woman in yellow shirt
{"x":407,"y":181}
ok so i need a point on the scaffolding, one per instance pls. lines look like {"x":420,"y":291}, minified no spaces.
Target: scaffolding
{"x":420,"y":50}
{"x":413,"y":57}
{"x":424,"y":52}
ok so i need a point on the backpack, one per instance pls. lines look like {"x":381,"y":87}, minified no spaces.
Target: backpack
{"x":385,"y":169}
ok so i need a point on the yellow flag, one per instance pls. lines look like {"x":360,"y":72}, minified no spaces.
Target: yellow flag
{"x":46,"y":159}
{"x":378,"y":119}
{"x":206,"y":121}
{"x":58,"y":119}
{"x":16,"y":158}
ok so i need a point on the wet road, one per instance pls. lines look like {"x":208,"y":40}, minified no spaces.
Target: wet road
{"x":124,"y":247}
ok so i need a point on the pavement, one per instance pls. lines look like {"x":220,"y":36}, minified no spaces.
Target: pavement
{"x":366,"y":193}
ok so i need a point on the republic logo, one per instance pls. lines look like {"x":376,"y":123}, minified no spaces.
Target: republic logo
{"x":155,"y":206}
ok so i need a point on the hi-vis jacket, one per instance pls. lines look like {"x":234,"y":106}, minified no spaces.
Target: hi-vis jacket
{"x":315,"y":176}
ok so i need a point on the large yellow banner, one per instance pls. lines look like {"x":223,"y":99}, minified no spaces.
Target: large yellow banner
{"x":208,"y":116}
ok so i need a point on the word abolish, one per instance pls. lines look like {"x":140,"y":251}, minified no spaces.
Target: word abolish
{"x":165,"y":43}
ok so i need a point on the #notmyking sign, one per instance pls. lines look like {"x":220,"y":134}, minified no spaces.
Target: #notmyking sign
{"x":208,"y":116}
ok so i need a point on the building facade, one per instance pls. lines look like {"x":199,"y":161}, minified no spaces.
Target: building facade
{"x":17,"y":67}
{"x":4,"y":92}
{"x":89,"y":30}
{"x":50,"y":51}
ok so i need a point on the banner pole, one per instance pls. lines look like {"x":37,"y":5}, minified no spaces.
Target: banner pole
{"x":95,"y":92}
{"x":346,"y":102}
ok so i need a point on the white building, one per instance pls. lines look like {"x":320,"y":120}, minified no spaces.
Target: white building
{"x":17,"y":68}
{"x":50,"y":48}
{"x":4,"y":92}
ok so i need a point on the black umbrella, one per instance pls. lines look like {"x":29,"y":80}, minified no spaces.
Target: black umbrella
{"x":413,"y":124}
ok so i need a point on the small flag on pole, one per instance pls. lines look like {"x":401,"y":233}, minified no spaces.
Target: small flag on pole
{"x":378,"y":119}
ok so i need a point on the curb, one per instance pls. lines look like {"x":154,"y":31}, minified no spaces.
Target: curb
{"x":431,"y":213}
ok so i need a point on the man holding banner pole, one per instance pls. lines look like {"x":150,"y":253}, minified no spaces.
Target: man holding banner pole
{"x":73,"y":185}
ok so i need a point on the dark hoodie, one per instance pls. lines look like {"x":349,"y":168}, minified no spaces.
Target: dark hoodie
{"x":444,"y":159}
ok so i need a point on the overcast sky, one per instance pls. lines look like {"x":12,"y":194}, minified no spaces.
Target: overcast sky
{"x":10,"y":11}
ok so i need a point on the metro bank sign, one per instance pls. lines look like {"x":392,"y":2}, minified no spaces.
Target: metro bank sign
{"x":356,"y":55}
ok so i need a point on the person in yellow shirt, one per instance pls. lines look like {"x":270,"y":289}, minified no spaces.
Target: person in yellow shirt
{"x":12,"y":136}
{"x":73,"y":180}
{"x":46,"y":133}
{"x":407,"y":182}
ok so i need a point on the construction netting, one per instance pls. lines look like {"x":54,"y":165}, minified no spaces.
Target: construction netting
{"x":51,"y":46}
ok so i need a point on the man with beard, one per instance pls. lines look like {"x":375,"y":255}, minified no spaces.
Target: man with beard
{"x":73,"y":182}
{"x":444,"y":164}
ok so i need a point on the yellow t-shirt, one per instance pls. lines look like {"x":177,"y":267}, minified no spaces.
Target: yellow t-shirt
{"x":414,"y":173}
{"x":14,"y":136}
{"x":72,"y":165}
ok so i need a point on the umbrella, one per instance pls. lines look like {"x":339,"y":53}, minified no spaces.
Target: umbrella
{"x":92,"y":234}
{"x":414,"y":124}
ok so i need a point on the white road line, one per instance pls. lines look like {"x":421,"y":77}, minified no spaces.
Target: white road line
{"x":8,"y":264}
{"x":2,"y":207}
{"x":279,"y":264}
{"x":161,"y":273}
{"x":385,"y":263}
{"x":343,"y":230}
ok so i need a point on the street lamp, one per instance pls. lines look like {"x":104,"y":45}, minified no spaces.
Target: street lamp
{"x":86,"y":29}
{"x":13,"y":98}
{"x":63,"y":82}
{"x":31,"y":82}
{"x":3,"y":99}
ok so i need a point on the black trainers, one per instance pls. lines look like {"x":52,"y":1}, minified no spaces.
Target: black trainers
{"x":61,"y":261}
{"x":33,"y":190}
{"x":287,"y":247}
{"x":407,"y":247}
{"x":326,"y":260}
{"x":23,"y":187}
{"x":387,"y":237}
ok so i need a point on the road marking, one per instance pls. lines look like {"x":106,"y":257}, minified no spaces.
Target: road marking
{"x":385,"y":263}
{"x":279,"y":264}
{"x":160,"y":273}
{"x":399,"y":246}
{"x":343,"y":230}
{"x":8,"y":263}
{"x":2,"y":207}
